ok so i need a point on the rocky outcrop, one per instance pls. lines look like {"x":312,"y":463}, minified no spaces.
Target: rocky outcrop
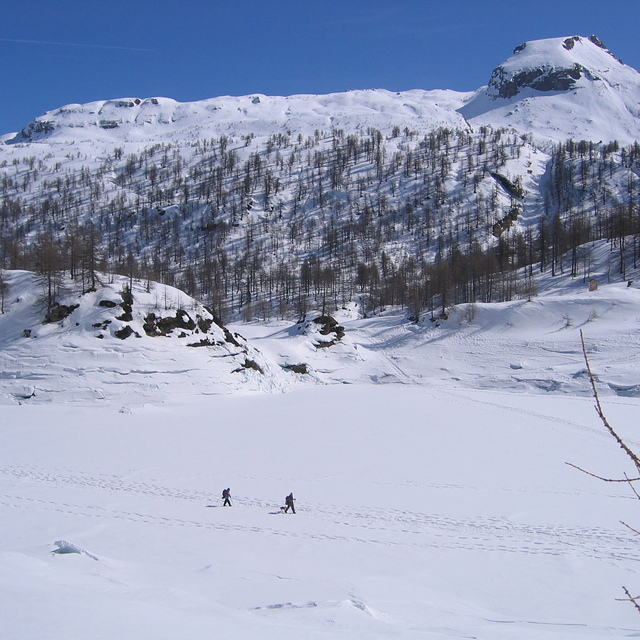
{"x":59,"y":312}
{"x":328,"y":327}
{"x":249,"y":365}
{"x":296,"y":368}
{"x":506,"y":222}
{"x":127,"y":306}
{"x":514,"y":189}
{"x":154,"y":326}
{"x":36,"y":129}
{"x":125,"y":333}
{"x":505,"y":85}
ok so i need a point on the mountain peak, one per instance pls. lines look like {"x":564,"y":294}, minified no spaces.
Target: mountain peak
{"x":559,"y":88}
{"x":554,"y":64}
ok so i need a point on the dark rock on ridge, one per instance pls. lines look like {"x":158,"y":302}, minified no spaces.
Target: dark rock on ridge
{"x":541,"y":79}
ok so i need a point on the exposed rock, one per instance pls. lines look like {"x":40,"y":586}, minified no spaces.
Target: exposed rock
{"x":595,"y":40}
{"x":155,"y":326}
{"x":37,"y":127}
{"x":125,"y":332}
{"x":569,"y":43}
{"x":512,"y":188}
{"x":249,"y":364}
{"x":325,"y":345}
{"x":542,"y":79}
{"x":330,"y":325}
{"x":205,"y":342}
{"x":296,"y":368}
{"x":59,"y":312}
{"x":230,"y":339}
{"x":127,"y":306}
{"x":214,"y":316}
{"x":204,"y":324}
{"x":110,"y":304}
{"x":150,"y":327}
{"x":506,"y":222}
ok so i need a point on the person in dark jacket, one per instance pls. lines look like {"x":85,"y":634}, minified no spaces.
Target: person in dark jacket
{"x":226,"y":494}
{"x":289,"y":502}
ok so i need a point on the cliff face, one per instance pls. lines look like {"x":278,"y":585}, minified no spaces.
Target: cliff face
{"x":505,"y":85}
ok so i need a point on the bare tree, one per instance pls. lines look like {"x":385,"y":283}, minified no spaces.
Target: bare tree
{"x":49,"y":264}
{"x":3,"y":291}
{"x":635,"y":600}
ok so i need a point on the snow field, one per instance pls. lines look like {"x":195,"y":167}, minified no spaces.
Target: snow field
{"x":421,"y":514}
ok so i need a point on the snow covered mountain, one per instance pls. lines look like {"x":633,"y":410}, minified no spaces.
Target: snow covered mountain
{"x":555,"y":89}
{"x":264,"y":206}
{"x":562,"y":88}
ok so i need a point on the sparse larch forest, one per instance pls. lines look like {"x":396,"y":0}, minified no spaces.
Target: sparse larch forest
{"x":273,"y":226}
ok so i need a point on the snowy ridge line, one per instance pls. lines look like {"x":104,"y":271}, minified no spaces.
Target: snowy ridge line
{"x":576,"y":78}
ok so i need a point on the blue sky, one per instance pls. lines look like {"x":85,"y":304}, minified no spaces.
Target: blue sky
{"x":58,"y":52}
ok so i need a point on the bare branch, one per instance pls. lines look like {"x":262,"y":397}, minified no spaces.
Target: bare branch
{"x":628,"y":480}
{"x":627,"y":450}
{"x":605,"y":422}
{"x":630,"y":598}
{"x":630,"y":528}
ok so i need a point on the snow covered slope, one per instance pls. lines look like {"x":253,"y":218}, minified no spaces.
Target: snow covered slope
{"x":154,"y":343}
{"x":139,"y":344}
{"x":527,"y":346}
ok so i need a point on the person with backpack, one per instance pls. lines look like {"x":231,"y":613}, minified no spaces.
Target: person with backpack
{"x":226,"y":494}
{"x":289,"y":502}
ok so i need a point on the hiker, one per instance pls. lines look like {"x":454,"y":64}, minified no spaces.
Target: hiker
{"x":226,"y":494}
{"x":289,"y":502}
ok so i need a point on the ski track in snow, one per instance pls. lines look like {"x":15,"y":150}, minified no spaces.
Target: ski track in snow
{"x":364,"y":525}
